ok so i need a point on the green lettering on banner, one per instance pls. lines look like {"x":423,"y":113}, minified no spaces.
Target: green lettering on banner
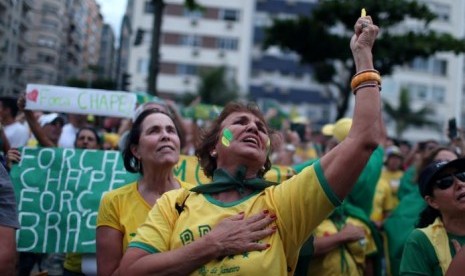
{"x":58,"y":192}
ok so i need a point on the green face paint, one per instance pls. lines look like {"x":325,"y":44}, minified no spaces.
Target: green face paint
{"x":227,"y":137}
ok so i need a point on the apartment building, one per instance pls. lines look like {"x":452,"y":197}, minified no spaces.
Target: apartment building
{"x":92,"y":39}
{"x":107,"y":59}
{"x":218,"y":35}
{"x":437,"y":81}
{"x":278,"y":76}
{"x":14,"y":23}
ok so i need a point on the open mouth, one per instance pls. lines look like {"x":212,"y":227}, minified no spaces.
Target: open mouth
{"x":165,"y":147}
{"x":461,"y":196}
{"x":251,"y":140}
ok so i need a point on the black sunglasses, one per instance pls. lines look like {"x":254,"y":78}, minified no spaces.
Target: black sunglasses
{"x":446,"y":182}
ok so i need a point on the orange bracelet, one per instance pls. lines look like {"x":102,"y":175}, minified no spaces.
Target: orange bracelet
{"x":364,"y":77}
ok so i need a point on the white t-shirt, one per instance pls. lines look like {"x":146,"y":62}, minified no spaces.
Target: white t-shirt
{"x":17,"y":134}
{"x":67,"y":137}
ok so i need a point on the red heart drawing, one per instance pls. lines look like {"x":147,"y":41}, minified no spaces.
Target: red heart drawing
{"x":32,"y":96}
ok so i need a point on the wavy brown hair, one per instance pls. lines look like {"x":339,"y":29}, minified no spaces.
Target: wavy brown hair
{"x":210,"y":137}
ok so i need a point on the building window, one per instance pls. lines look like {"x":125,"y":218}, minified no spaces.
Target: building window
{"x":46,"y":42}
{"x":439,"y":67}
{"x":41,"y":57}
{"x":142,"y":66}
{"x":433,"y":66}
{"x":229,"y":15}
{"x":148,"y":7}
{"x":420,"y":64}
{"x":442,"y":11}
{"x":50,"y":24}
{"x":438,"y":94}
{"x":193,"y":14}
{"x":190,"y":40}
{"x":50,"y":8}
{"x":186,"y":69}
{"x":227,"y":43}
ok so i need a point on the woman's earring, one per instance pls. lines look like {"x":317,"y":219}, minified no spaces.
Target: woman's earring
{"x":214,"y":154}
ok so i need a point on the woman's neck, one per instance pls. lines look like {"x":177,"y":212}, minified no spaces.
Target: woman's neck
{"x":454,"y":224}
{"x":154,"y":183}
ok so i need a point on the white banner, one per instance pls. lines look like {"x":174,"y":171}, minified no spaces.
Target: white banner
{"x":80,"y":100}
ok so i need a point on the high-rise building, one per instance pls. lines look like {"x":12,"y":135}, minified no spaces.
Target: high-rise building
{"x":123,"y":50}
{"x":45,"y":41}
{"x":92,"y":40}
{"x":278,"y":76}
{"x":218,"y":35}
{"x":14,"y":24}
{"x":437,"y":81}
{"x":107,"y":54}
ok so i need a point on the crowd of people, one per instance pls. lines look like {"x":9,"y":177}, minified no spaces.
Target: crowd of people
{"x":360,"y":203}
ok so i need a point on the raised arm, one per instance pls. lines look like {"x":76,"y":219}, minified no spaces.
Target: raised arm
{"x":231,"y":236}
{"x":343,"y":164}
{"x":39,"y":134}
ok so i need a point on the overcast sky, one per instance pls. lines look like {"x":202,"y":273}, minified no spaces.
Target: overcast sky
{"x":112,"y":11}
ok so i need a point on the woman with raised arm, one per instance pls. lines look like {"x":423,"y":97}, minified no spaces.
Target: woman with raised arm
{"x":235,"y":153}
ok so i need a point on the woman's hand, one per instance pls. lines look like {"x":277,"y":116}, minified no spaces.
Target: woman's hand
{"x":21,"y":103}
{"x":236,"y":235}
{"x":362,"y":42}
{"x":12,"y":156}
{"x":352,"y":233}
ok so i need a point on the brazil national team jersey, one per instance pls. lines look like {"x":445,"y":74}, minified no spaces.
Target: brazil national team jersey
{"x":300,"y":204}
{"x":125,"y":210}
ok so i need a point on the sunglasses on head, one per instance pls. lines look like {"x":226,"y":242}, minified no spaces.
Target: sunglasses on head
{"x":446,"y":182}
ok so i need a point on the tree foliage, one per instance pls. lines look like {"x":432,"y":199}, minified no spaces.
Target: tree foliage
{"x":216,"y":88}
{"x":405,"y":116}
{"x":322,"y":39}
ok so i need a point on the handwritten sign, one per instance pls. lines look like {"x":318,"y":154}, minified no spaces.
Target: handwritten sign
{"x":80,"y":100}
{"x":58,"y":192}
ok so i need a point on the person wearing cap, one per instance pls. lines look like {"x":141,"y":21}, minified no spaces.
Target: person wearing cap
{"x":403,"y":219}
{"x":441,"y":229}
{"x":47,"y":129}
{"x":392,"y":171}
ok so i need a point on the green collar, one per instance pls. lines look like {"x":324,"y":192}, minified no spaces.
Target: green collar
{"x":223,"y":181}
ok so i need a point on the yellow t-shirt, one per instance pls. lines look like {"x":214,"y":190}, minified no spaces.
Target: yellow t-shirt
{"x":393,"y":179}
{"x":305,"y":197}
{"x":124,"y":209}
{"x":354,"y":253}
{"x":383,"y":201}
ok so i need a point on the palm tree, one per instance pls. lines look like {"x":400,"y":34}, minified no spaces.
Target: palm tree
{"x":404,"y":115}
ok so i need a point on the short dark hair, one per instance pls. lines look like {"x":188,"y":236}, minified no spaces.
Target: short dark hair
{"x":91,"y":129}
{"x":10,"y":103}
{"x":131,"y":163}
{"x":210,"y":137}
